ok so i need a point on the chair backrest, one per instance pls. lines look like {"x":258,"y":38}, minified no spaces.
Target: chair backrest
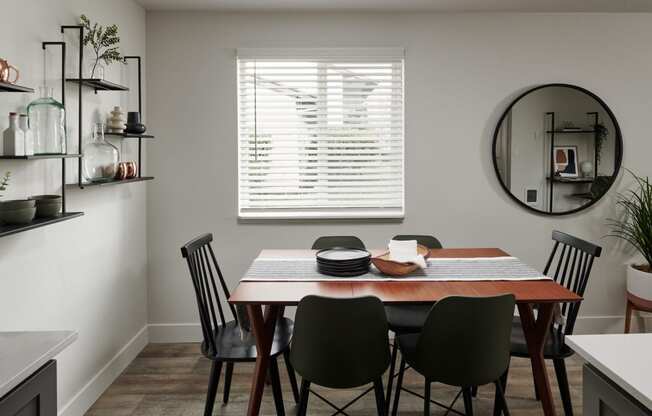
{"x":340,"y":343}
{"x":203,"y":268}
{"x":573,"y":260}
{"x":425,"y":240}
{"x":466,"y":340}
{"x":348,"y":241}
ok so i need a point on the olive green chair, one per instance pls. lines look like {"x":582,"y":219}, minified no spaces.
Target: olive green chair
{"x":407,"y":319}
{"x":465,"y":342}
{"x":347,"y":241}
{"x":340,"y":344}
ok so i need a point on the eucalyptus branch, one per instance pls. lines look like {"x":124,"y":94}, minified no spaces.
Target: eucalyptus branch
{"x":104,"y":41}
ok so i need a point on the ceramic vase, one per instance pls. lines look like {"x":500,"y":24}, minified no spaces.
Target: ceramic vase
{"x":586,"y":168}
{"x":116,"y":121}
{"x":13,"y":138}
{"x":134,"y":126}
{"x":29,"y":135}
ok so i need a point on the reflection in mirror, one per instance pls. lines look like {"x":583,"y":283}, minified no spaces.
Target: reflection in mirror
{"x":557,"y":149}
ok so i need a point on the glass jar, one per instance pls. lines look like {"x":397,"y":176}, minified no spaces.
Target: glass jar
{"x":95,"y":70}
{"x":100,"y":158}
{"x":47,"y":122}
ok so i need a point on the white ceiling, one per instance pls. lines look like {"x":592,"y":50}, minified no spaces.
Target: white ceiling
{"x":407,"y":5}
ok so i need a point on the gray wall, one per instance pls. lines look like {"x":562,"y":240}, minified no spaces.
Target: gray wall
{"x":87,"y":274}
{"x":461,"y":72}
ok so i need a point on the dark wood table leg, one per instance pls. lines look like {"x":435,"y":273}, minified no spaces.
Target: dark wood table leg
{"x":263,"y":328}
{"x":535,"y":332}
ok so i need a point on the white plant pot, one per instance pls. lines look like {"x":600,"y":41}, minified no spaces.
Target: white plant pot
{"x":639,"y":283}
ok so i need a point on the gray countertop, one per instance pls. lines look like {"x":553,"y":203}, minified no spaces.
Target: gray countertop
{"x":22,"y":353}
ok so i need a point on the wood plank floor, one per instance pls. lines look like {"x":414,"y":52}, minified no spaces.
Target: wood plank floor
{"x":171,"y":380}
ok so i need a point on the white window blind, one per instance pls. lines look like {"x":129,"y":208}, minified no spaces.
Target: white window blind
{"x":320,"y":133}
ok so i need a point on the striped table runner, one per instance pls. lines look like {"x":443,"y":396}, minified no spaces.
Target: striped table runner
{"x":439,"y":269}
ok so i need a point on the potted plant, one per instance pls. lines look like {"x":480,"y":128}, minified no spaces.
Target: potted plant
{"x":105,"y":44}
{"x":635,"y":227}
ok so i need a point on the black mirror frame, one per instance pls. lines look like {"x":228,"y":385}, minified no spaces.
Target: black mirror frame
{"x":619,"y":149}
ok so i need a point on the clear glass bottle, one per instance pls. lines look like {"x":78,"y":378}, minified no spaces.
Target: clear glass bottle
{"x":47,"y":122}
{"x":95,"y":70}
{"x":100,"y":158}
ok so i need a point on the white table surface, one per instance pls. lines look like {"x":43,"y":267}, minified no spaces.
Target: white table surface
{"x":22,"y":353}
{"x":626,"y":359}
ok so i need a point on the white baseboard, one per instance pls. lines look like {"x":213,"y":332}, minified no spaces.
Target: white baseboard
{"x":164,"y":333}
{"x":611,"y":324}
{"x":87,"y":395}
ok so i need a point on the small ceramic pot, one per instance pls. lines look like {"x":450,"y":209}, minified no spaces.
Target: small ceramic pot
{"x":17,"y":204}
{"x":18,"y":216}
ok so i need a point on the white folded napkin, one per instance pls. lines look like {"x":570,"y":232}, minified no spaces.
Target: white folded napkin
{"x":406,"y":252}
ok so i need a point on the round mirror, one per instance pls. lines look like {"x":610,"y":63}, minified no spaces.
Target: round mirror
{"x":557,"y":149}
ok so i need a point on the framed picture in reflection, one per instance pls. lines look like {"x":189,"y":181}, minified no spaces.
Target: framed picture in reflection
{"x":566,"y":161}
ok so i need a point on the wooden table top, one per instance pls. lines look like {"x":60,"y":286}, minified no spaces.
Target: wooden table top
{"x":397,"y":292}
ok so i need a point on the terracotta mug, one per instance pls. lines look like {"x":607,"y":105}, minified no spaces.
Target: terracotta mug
{"x":5,"y":72}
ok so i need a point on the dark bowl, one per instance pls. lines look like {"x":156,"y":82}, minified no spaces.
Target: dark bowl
{"x":17,"y":204}
{"x":18,"y":216}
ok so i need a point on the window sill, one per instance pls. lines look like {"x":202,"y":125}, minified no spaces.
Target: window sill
{"x":390,"y":215}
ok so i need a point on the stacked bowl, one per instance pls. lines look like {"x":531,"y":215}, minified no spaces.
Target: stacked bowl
{"x":47,"y":206}
{"x":343,"y":262}
{"x":19,"y":211}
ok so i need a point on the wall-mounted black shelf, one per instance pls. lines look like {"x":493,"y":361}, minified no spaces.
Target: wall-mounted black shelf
{"x":572,"y":180}
{"x":129,"y":135}
{"x":6,"y":229}
{"x":571,"y":131}
{"x":111,"y":182}
{"x":585,"y":195}
{"x":552,"y":131}
{"x":102,"y":85}
{"x":38,"y":157}
{"x":98,"y":84}
{"x":6,"y":87}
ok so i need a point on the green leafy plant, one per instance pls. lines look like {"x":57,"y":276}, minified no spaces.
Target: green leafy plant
{"x":4,"y":182}
{"x":103,"y":40}
{"x":635,"y":226}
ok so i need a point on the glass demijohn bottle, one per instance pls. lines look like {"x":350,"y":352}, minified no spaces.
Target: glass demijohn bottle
{"x":100,"y":158}
{"x":47,"y":122}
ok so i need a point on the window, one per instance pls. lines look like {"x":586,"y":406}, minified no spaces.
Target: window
{"x":320,"y":133}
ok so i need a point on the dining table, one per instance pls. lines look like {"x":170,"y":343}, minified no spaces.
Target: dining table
{"x":266,"y":289}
